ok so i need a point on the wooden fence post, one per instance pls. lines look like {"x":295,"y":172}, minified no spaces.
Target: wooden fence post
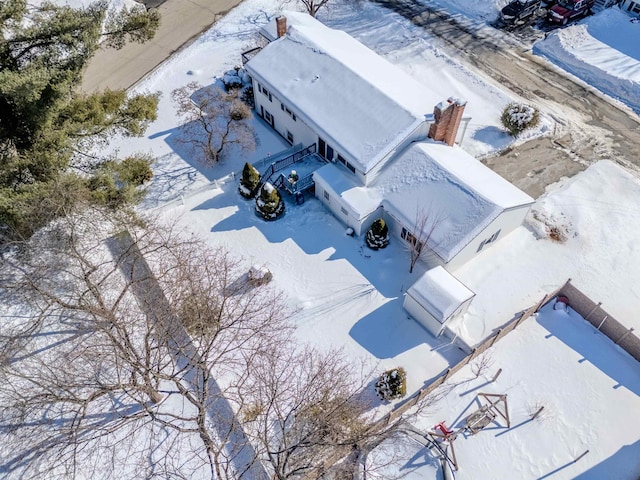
{"x":495,"y":338}
{"x":520,"y":320}
{"x":593,"y":310}
{"x":602,"y":322}
{"x":542,"y":302}
{"x":624,"y":335}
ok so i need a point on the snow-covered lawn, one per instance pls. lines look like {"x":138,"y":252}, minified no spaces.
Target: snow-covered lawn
{"x":590,"y":391}
{"x":346,"y":294}
{"x":349,"y":296}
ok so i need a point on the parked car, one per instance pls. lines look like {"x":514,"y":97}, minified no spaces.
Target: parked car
{"x":519,"y":10}
{"x":566,"y":10}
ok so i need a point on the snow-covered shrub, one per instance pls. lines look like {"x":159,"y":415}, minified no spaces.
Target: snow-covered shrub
{"x":378,"y":235}
{"x":269,"y":204}
{"x":517,"y":117}
{"x":232,"y":79}
{"x":246,"y":95}
{"x":392,"y":384}
{"x":250,"y":181}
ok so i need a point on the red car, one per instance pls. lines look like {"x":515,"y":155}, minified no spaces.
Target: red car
{"x":566,"y":10}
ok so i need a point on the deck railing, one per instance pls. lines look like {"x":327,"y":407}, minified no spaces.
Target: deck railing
{"x":286,"y":161}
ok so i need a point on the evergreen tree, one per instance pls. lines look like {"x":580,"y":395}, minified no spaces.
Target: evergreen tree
{"x":250,"y":181}
{"x":378,"y":235}
{"x":46,"y":125}
{"x":392,"y":384}
{"x":269,"y":203}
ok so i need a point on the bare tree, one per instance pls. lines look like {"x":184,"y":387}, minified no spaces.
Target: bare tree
{"x":420,"y":241}
{"x":312,"y":6}
{"x":150,"y":355}
{"x":215,"y":120}
{"x":112,"y":368}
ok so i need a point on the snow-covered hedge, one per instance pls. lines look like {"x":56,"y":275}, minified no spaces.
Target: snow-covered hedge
{"x":517,"y":117}
{"x":378,"y":235}
{"x":269,"y":204}
{"x":250,"y":181}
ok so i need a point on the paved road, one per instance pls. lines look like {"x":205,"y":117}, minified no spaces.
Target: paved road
{"x":181,"y":22}
{"x":589,"y":126}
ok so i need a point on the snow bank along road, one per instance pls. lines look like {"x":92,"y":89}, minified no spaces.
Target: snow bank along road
{"x":590,"y":127}
{"x":180,"y":23}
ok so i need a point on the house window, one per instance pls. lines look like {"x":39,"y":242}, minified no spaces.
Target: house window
{"x":290,"y":137}
{"x":346,"y":164}
{"x":492,"y":238}
{"x":268,"y":117}
{"x":265,"y":92}
{"x":344,"y":211}
{"x":634,"y":7}
{"x":410,"y":238}
{"x":289,"y":112}
{"x":326,"y":195}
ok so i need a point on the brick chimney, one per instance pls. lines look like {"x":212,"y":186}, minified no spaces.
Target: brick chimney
{"x":448,"y":116}
{"x":281,"y":25}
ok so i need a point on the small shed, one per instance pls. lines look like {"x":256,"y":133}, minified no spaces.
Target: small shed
{"x":436,"y":298}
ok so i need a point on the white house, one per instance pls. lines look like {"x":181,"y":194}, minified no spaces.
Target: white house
{"x":468,"y":205}
{"x":382,"y":135}
{"x":319,"y":85}
{"x":631,"y":6}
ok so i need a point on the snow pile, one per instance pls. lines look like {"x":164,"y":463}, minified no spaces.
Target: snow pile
{"x":603,"y":50}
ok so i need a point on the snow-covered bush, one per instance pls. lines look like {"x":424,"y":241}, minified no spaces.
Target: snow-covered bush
{"x":517,"y":117}
{"x":250,"y":181}
{"x":392,"y":384}
{"x":269,"y":204}
{"x":233,"y":79}
{"x":378,"y":235}
{"x":246,"y":95}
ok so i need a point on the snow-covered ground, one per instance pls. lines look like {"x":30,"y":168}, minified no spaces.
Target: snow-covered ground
{"x":590,"y":391}
{"x":349,"y":296}
{"x":603,"y":51}
{"x":598,"y":215}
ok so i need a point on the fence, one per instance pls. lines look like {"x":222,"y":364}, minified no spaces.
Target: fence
{"x":487,"y":343}
{"x":603,"y":321}
{"x":421,"y":394}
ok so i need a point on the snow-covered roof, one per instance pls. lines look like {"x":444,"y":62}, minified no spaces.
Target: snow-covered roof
{"x":440,"y":293}
{"x":361,"y":103}
{"x":361,"y":200}
{"x":458,"y":192}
